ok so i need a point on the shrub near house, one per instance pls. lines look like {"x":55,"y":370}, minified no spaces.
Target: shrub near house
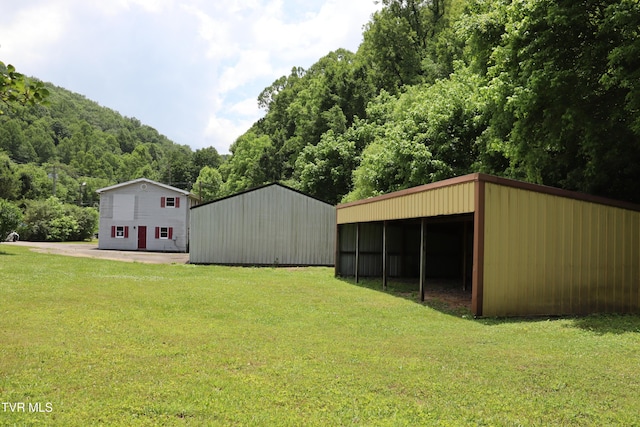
{"x":51,"y":220}
{"x":10,"y":218}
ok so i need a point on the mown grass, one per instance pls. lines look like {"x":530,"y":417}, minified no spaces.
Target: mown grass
{"x":111,"y":343}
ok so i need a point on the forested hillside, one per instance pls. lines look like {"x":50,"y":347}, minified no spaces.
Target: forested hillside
{"x":539,"y":90}
{"x":57,"y":148}
{"x":71,"y":146}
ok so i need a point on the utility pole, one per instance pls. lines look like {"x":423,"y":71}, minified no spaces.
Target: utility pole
{"x":54,"y":175}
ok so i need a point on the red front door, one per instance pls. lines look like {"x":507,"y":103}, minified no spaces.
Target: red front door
{"x":142,"y":237}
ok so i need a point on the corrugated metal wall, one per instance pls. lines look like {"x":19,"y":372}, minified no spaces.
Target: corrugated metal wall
{"x":449,"y":200}
{"x":270,"y":225}
{"x":546,"y":254}
{"x":370,"y":250}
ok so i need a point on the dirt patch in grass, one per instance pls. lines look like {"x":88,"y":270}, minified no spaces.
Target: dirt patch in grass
{"x":455,"y":301}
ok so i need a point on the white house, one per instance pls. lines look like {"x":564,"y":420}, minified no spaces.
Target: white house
{"x":144,"y":215}
{"x":268,"y":225}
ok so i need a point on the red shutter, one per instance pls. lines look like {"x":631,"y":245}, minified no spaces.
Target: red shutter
{"x":113,"y":231}
{"x":126,"y":232}
{"x":177,"y":202}
{"x":170,"y":233}
{"x":163,"y":201}
{"x":158,"y":231}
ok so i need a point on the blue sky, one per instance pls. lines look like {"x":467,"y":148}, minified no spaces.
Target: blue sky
{"x":192,"y":69}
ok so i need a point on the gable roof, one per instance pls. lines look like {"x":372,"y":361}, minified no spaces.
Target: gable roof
{"x":146,"y":181}
{"x":260,"y":188}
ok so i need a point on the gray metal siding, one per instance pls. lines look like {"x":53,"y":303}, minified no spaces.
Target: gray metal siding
{"x":268,"y":226}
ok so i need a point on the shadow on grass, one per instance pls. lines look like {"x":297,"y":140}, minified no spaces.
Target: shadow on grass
{"x":459,"y":307}
{"x":609,"y":323}
{"x":599,"y":324}
{"x":5,"y":253}
{"x":452,"y":303}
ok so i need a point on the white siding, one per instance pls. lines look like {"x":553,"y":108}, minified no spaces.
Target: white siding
{"x":139,"y":205}
{"x":267,"y":226}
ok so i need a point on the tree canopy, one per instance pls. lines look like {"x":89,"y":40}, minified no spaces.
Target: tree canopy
{"x":539,"y":90}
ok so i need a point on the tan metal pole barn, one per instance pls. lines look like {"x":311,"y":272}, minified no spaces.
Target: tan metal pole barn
{"x":537,"y":250}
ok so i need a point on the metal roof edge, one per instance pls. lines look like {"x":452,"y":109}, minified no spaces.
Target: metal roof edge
{"x":260,"y":187}
{"x":419,"y":189}
{"x":146,"y":181}
{"x":555,"y":191}
{"x":493,"y":179}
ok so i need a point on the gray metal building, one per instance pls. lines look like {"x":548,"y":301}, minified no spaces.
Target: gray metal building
{"x":268,"y":225}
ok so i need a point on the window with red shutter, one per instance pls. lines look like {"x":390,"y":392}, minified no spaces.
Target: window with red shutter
{"x":163,"y":202}
{"x":157,"y":232}
{"x":170,"y":233}
{"x":119,"y":231}
{"x":177,"y":202}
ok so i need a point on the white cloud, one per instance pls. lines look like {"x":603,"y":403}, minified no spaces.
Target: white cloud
{"x":221,"y":129}
{"x":251,"y":65}
{"x":217,"y":33}
{"x":113,"y":7}
{"x":192,"y":69}
{"x":247,"y":108}
{"x":31,"y":32}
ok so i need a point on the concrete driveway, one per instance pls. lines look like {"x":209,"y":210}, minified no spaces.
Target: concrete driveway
{"x":90,"y":250}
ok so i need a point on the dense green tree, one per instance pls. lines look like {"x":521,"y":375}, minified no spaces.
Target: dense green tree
{"x":10,"y":218}
{"x":208,"y":186}
{"x":41,"y":139}
{"x":324,"y":170}
{"x":428,"y":133}
{"x":86,"y":219}
{"x":138,"y":164}
{"x":246,"y":168}
{"x":208,"y":156}
{"x":52,"y":220}
{"x":402,"y":43}
{"x":177,"y":166}
{"x":13,"y":142}
{"x":9,"y":181}
{"x":557,"y":120}
{"x":34,"y":182}
{"x":621,"y":23}
{"x":45,"y":221}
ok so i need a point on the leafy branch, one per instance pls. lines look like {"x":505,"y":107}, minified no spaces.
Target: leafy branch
{"x":15,"y":87}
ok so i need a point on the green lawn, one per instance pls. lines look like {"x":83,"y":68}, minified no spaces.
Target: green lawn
{"x":97,"y":342}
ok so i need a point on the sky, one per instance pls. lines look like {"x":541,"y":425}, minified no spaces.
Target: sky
{"x":191,"y":69}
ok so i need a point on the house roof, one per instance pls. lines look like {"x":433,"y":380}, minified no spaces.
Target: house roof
{"x":260,"y":188}
{"x":146,"y":181}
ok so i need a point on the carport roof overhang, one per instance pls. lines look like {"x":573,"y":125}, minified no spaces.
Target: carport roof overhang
{"x":460,"y":195}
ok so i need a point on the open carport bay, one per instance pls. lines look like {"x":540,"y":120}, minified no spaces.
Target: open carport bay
{"x":446,"y":243}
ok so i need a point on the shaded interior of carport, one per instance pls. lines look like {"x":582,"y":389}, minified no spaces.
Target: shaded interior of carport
{"x":425,"y":235}
{"x":433,"y":252}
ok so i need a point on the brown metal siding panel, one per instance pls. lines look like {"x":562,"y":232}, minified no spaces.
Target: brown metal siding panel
{"x":477,"y":291}
{"x":546,"y":254}
{"x":449,"y":200}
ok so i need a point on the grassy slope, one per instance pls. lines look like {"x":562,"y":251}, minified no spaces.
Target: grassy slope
{"x":132,"y":344}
